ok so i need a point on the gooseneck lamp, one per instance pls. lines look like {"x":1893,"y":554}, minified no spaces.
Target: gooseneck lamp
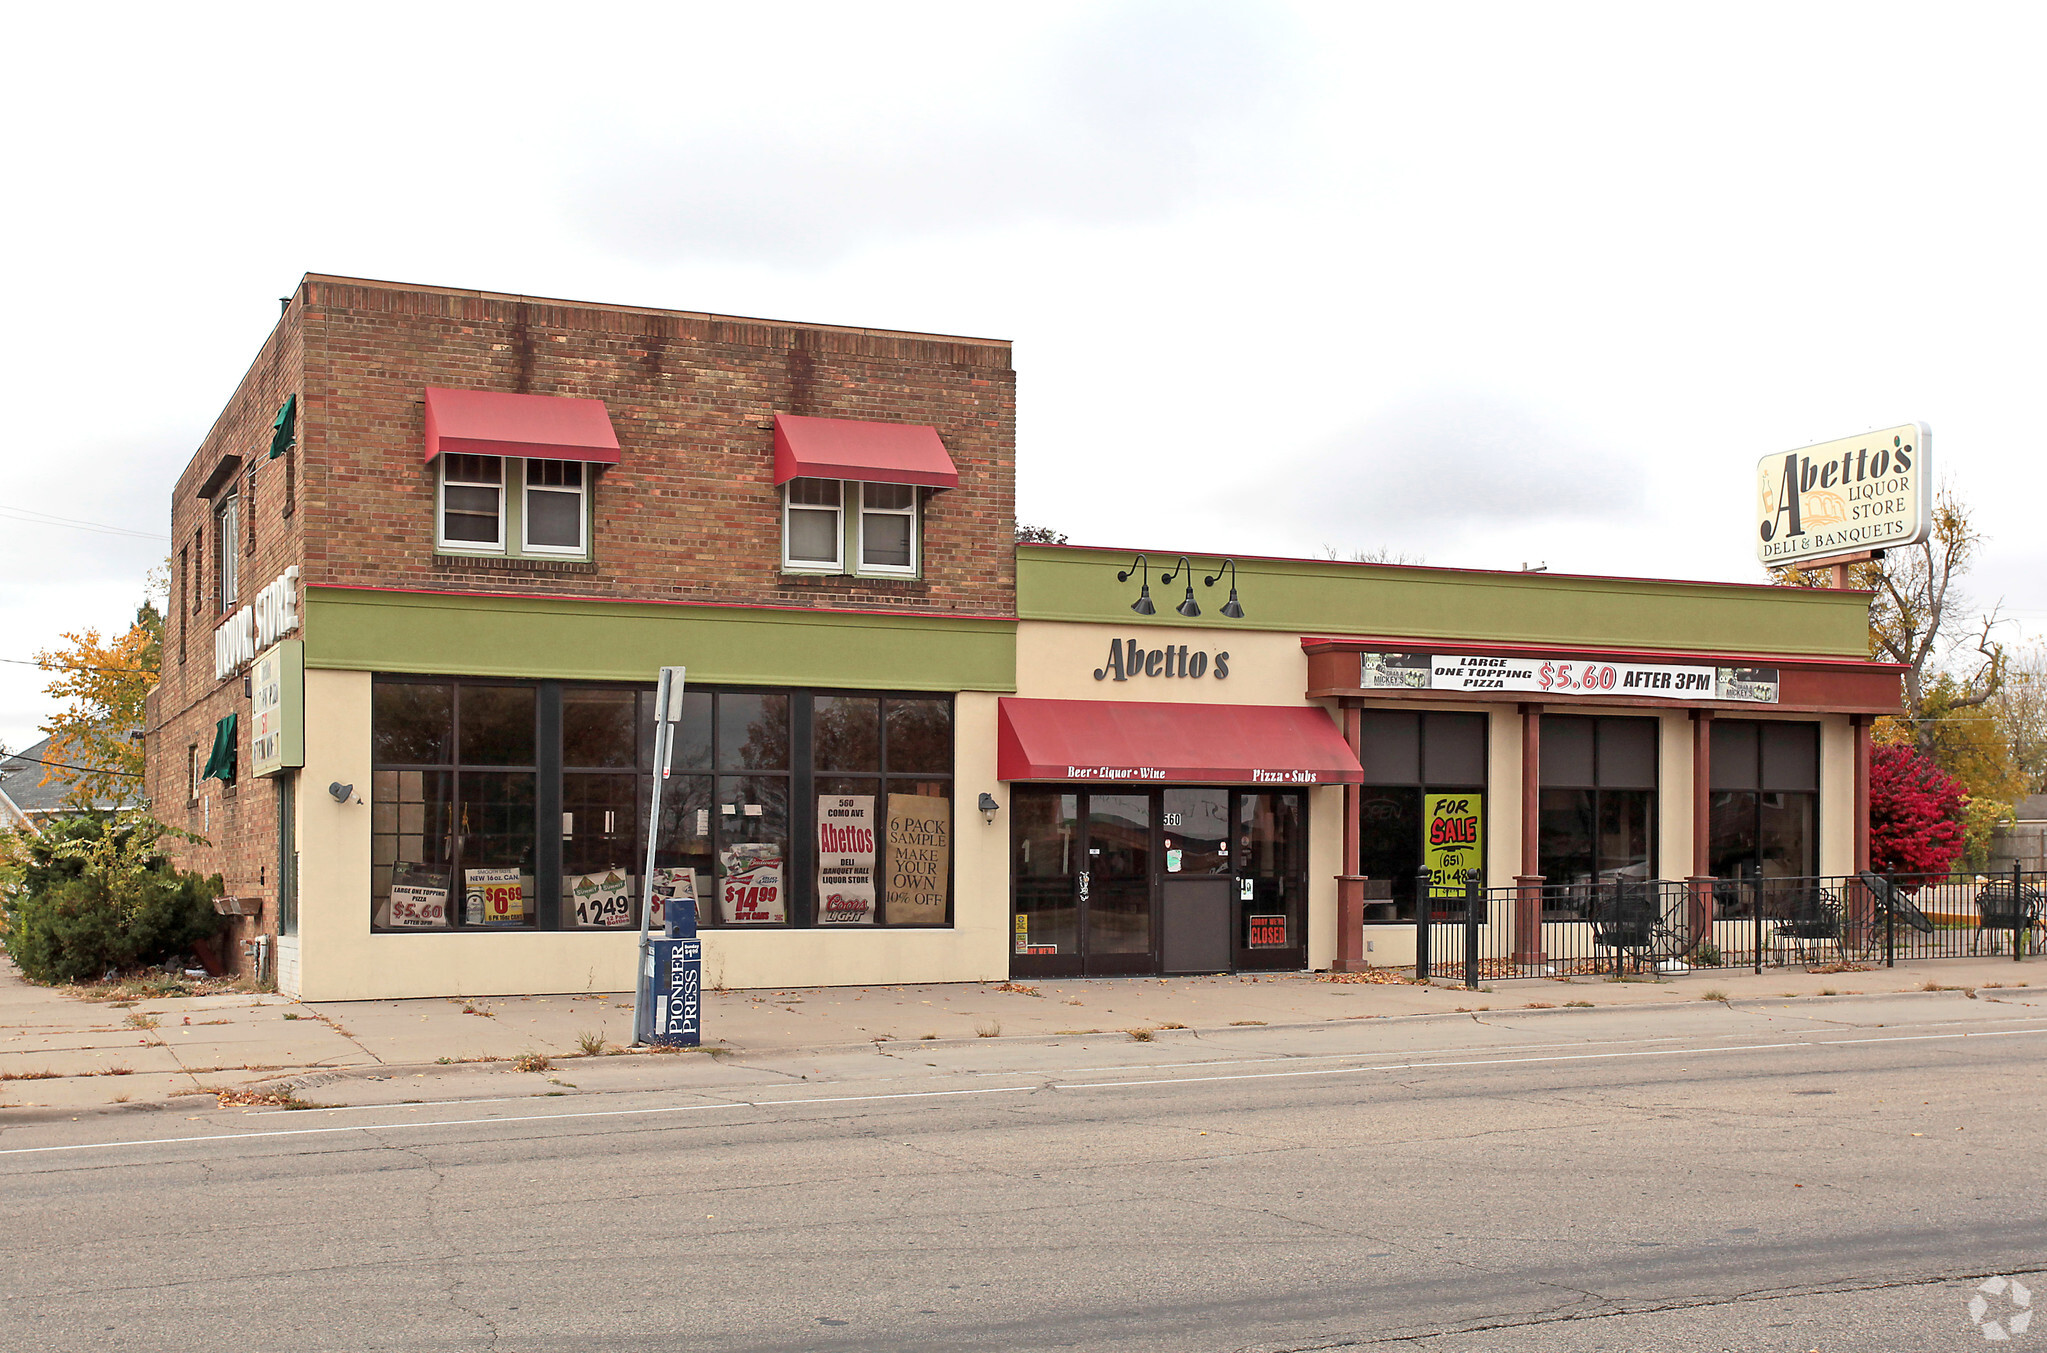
{"x":1231,"y":608}
{"x":1187,"y":607}
{"x":1143,"y":604}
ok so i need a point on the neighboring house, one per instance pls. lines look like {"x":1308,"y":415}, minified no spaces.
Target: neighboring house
{"x":27,"y":793}
{"x":2024,"y":838}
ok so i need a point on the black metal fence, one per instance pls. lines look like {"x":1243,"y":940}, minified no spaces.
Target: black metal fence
{"x":1620,"y":926}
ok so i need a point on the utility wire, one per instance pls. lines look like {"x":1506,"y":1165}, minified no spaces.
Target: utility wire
{"x":36,"y":518}
{"x":77,"y":772}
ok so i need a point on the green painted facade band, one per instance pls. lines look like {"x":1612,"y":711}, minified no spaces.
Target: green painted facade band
{"x":1316,"y":597}
{"x":442,"y":633}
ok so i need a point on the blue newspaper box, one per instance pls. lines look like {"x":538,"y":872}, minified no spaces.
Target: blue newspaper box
{"x":672,"y":995}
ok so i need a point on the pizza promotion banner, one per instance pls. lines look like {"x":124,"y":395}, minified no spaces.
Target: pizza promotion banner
{"x":419,"y":908}
{"x":1456,"y":837}
{"x":751,"y":892}
{"x":845,"y":859}
{"x":919,"y":858}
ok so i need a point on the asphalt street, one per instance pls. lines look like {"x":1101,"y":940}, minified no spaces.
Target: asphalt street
{"x":1834,"y":1175}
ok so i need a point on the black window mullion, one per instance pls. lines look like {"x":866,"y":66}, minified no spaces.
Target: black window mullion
{"x":801,"y":879}
{"x":547,"y":806}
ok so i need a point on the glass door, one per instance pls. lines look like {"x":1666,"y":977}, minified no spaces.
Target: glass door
{"x":1272,"y":882}
{"x":1117,"y":885}
{"x":1044,"y":870}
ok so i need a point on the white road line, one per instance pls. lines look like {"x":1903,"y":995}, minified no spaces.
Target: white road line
{"x":1002,"y":1090}
{"x":1561,"y":1057}
{"x":519,"y":1118}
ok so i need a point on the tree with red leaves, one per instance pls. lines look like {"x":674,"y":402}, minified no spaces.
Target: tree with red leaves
{"x":1915,"y":812}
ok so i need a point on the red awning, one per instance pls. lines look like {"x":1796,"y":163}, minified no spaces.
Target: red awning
{"x":494,"y":423}
{"x":1106,"y":740}
{"x":848,"y":448}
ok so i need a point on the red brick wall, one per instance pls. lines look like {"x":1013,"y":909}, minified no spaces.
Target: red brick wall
{"x":691,"y":512}
{"x":238,"y":824}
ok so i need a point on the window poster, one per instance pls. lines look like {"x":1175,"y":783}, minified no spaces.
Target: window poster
{"x":603,"y":899}
{"x":919,"y":858}
{"x":493,"y":897}
{"x":1455,"y":843}
{"x":419,"y":897}
{"x":752,"y":890}
{"x":845,"y":859}
{"x":675,"y":901}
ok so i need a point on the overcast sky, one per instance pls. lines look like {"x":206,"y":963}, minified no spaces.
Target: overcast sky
{"x":1486,"y":284}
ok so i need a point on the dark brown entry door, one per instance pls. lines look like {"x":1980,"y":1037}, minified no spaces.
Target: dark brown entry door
{"x":1081,"y":867}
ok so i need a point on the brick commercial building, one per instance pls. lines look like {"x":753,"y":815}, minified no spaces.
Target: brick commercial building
{"x":431,"y":556}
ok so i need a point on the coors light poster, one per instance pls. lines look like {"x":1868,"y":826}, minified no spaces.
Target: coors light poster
{"x":845,"y":859}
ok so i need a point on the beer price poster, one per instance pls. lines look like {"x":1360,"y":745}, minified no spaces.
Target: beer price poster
{"x":845,"y":859}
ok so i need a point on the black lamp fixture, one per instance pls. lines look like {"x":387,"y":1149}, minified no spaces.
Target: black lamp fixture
{"x":1143,"y":604}
{"x":1231,"y":608}
{"x":1187,"y":607}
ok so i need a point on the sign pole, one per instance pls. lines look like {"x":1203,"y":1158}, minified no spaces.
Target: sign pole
{"x":666,"y":992}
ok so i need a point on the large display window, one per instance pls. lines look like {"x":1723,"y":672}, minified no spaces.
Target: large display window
{"x":1598,"y":807}
{"x":780,"y":808}
{"x":1418,"y":764}
{"x":1765,"y":807}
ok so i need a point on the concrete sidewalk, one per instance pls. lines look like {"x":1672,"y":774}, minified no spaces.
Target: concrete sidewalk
{"x":58,"y":1052}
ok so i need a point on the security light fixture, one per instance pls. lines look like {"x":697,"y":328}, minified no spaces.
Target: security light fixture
{"x":1143,"y":604}
{"x":342,"y":793}
{"x":989,"y":807}
{"x":1188,"y":606}
{"x":1231,"y":608}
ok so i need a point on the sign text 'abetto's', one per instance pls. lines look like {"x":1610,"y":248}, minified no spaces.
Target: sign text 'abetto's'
{"x":1873,"y":492}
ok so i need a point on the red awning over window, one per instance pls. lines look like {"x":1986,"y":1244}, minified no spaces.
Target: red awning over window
{"x":494,"y":423}
{"x":849,"y":448}
{"x":1104,"y":740}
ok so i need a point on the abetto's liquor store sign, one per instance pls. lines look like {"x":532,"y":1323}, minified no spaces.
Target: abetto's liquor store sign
{"x":1873,"y":492}
{"x":1563,"y":675}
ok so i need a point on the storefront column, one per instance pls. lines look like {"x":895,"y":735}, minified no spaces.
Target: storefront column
{"x":1350,"y":886}
{"x":1528,"y":949}
{"x":1700,"y":909}
{"x":1861,"y":724}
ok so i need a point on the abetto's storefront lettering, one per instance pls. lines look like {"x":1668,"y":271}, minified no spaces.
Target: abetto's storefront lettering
{"x":1131,"y":658}
{"x":1566,"y":676}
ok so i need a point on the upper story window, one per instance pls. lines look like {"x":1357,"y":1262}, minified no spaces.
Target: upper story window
{"x":472,"y":506}
{"x":227,"y":559}
{"x":813,"y":534}
{"x":554,"y":514}
{"x":826,"y":521}
{"x":888,"y":528}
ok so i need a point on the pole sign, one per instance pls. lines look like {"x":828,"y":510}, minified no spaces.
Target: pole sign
{"x":668,"y":998}
{"x":1873,"y":492}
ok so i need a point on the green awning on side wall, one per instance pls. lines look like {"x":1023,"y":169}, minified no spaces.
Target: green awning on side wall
{"x":221,"y":765}
{"x":284,"y":428}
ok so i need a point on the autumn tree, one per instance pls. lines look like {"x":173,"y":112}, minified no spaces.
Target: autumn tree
{"x":1915,"y":812}
{"x":1026,"y":534}
{"x":102,"y":683}
{"x":1920,"y":617}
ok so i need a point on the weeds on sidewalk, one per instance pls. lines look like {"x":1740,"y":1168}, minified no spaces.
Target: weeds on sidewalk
{"x":28,"y":1075}
{"x":988,"y":1029}
{"x":1712,"y":994}
{"x":281,"y":1097}
{"x":532,"y":1061}
{"x":1020,"y":989}
{"x":591,"y":1041}
{"x":137,"y":1020}
{"x":1139,"y":1035}
{"x":1388,"y":977}
{"x":154,"y":984}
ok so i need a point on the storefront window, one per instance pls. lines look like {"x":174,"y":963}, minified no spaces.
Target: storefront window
{"x":1410,"y":758}
{"x":1765,"y":810}
{"x":1597,"y":807}
{"x":465,"y":769}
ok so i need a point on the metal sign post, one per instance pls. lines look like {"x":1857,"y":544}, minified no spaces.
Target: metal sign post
{"x":668,"y":995}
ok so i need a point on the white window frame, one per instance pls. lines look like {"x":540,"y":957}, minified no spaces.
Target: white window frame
{"x":441,"y":541}
{"x":914,"y":512}
{"x":227,"y":545}
{"x":527,"y":489}
{"x":838,"y":562}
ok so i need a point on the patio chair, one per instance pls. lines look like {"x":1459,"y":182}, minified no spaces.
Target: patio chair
{"x":2002,"y":905}
{"x":1623,"y":920}
{"x":1812,"y":918}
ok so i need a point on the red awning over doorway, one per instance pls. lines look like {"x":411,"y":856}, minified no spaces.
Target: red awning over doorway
{"x":1120,"y":742}
{"x":499,"y":423}
{"x":852,"y":448}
